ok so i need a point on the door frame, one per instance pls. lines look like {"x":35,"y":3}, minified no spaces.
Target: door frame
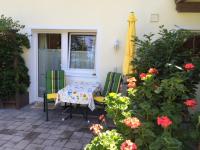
{"x":33,"y":55}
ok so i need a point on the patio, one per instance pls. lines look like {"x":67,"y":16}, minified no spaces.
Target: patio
{"x":26,"y":129}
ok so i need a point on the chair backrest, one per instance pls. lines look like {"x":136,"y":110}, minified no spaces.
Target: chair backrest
{"x":108,"y":83}
{"x":116,"y":82}
{"x":55,"y":80}
{"x":112,"y":83}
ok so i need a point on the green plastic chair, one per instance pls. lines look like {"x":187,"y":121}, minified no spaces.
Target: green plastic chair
{"x":112,"y":84}
{"x":55,"y":80}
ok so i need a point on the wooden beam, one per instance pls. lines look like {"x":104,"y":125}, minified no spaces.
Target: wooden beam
{"x":188,"y":7}
{"x":179,"y":1}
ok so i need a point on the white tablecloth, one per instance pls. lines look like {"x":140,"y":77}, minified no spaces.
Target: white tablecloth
{"x":79,"y":93}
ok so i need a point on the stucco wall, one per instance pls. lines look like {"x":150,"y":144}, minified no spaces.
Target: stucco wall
{"x":109,"y":16}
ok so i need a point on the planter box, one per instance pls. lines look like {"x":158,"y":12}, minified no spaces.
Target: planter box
{"x":17,"y":102}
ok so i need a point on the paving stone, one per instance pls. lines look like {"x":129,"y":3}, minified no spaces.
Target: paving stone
{"x":85,"y":140}
{"x":10,"y":148}
{"x":44,"y":135}
{"x":31,"y":136}
{"x":54,"y":136}
{"x":6,"y":137}
{"x":7,"y":131}
{"x":26,"y":129}
{"x":60,"y":142}
{"x":56,"y":131}
{"x":67,"y":134}
{"x":34,"y":147}
{"x":87,"y":135}
{"x":22,"y":144}
{"x":73,"y":145}
{"x":38,"y":141}
{"x":52,"y":148}
{"x":9,"y":144}
{"x":67,"y":148}
{"x":17,"y":138}
{"x":48,"y":142}
{"x":42,"y":130}
{"x":2,"y":142}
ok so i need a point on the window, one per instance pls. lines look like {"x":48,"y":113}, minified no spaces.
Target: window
{"x":82,"y":51}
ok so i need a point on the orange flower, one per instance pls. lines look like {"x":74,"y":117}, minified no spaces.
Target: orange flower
{"x":153,"y":71}
{"x":164,"y":121}
{"x":189,"y":66}
{"x":133,"y":79}
{"x":102,"y":118}
{"x":132,"y":85}
{"x":96,"y":129}
{"x":191,"y":103}
{"x":132,"y":122}
{"x":128,"y":145}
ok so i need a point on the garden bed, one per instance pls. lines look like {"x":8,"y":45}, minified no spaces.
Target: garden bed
{"x":18,"y":101}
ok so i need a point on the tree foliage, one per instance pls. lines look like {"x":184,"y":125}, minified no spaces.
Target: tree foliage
{"x":14,"y":76}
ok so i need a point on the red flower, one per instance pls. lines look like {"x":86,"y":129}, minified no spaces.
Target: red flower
{"x":102,"y":118}
{"x":133,"y":79}
{"x":96,"y":129}
{"x":153,"y":71}
{"x":164,"y":121}
{"x":191,"y":103}
{"x":132,"y":85}
{"x":132,"y":122}
{"x":128,"y":145}
{"x":189,"y":66}
{"x":143,"y":76}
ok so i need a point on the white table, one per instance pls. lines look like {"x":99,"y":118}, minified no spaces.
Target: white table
{"x":79,"y":93}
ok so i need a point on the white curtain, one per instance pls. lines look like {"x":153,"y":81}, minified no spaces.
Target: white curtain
{"x":85,"y":58}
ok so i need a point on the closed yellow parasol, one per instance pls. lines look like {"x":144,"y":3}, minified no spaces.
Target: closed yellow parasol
{"x":130,"y":45}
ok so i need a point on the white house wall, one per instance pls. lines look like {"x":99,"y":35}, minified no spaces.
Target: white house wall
{"x":108,"y":16}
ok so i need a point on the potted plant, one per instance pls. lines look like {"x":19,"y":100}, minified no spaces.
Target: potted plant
{"x":14,"y":78}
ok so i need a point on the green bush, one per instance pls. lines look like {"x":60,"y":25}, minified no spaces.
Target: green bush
{"x":108,"y":140}
{"x":14,"y":76}
{"x":155,"y":115}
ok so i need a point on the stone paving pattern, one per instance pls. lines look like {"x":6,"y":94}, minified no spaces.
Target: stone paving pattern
{"x":26,"y":129}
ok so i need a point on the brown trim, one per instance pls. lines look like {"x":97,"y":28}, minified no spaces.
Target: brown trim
{"x":179,"y":1}
{"x":193,"y":7}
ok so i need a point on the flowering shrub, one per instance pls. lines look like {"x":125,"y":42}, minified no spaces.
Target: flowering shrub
{"x":109,"y":140}
{"x":128,"y":145}
{"x":164,"y":121}
{"x":189,"y":66}
{"x":132,"y":122}
{"x":155,"y":114}
{"x":190,"y":103}
{"x":96,"y":128}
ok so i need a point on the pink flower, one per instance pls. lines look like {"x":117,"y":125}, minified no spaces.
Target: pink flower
{"x":164,"y":121}
{"x":191,"y":103}
{"x":102,"y":118}
{"x":189,"y":66}
{"x":132,"y":122}
{"x":132,"y":85}
{"x":153,"y":71}
{"x":128,"y":145}
{"x":96,"y":129}
{"x":143,"y":76}
{"x":133,"y":79}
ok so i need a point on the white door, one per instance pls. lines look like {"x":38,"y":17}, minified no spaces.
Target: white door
{"x":49,"y":57}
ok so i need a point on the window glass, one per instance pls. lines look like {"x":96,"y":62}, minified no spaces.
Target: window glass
{"x":49,"y":57}
{"x":49,"y":41}
{"x":82,"y":51}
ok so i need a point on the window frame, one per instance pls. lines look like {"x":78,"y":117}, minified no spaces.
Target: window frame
{"x":79,"y":71}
